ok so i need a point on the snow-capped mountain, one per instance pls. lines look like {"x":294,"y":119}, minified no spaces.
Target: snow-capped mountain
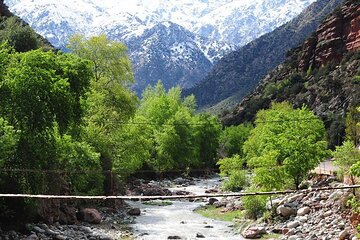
{"x":162,"y":36}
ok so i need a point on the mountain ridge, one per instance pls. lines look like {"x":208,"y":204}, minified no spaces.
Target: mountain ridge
{"x":240,"y":71}
{"x":324,"y":78}
{"x":57,"y":21}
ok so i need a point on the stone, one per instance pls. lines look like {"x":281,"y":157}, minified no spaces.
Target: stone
{"x":174,"y":237}
{"x":38,"y":229}
{"x":293,"y":237}
{"x":199,"y":235}
{"x":293,"y":224}
{"x":343,"y":235}
{"x":212,"y":201}
{"x":273,"y":203}
{"x":134,"y":212}
{"x":50,"y":232}
{"x":90,"y":215}
{"x":251,"y":234}
{"x":208,"y":226}
{"x":328,"y":213}
{"x":302,"y":219}
{"x":59,"y":237}
{"x":303,"y":211}
{"x":105,"y":237}
{"x":32,"y":237}
{"x":285,"y":211}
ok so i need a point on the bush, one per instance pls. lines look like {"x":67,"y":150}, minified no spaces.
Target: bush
{"x":255,"y":206}
{"x":236,"y":181}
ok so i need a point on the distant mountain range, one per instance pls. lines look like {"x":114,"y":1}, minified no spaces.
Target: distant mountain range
{"x":177,"y":41}
{"x":239,"y":72}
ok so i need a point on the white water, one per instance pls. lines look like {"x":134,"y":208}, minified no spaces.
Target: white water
{"x":178,"y":219}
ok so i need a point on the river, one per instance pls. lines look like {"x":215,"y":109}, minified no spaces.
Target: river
{"x":179,"y":219}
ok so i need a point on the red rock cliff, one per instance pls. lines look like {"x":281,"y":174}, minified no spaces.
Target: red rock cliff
{"x":338,"y":34}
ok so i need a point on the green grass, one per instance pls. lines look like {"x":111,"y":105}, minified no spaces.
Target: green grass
{"x":158,"y":203}
{"x":215,"y":213}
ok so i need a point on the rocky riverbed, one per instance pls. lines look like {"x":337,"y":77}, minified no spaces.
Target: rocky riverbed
{"x":315,"y":215}
{"x":296,"y":216}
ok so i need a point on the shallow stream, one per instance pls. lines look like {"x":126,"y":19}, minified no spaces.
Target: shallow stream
{"x":179,"y":219}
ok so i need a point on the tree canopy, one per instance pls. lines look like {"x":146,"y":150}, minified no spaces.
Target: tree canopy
{"x":290,"y":142}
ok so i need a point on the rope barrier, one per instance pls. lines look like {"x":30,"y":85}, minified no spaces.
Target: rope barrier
{"x":134,"y":198}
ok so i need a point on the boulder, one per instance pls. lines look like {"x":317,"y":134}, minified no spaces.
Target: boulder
{"x":212,"y":201}
{"x":199,"y":235}
{"x":303,"y":211}
{"x":134,"y":212}
{"x":273,"y":204}
{"x":250,"y":234}
{"x":343,"y":235}
{"x":90,"y":215}
{"x":254,"y":232}
{"x":285,"y":211}
{"x":293,"y":224}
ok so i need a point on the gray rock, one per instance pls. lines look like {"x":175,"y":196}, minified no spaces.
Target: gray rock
{"x":199,"y":235}
{"x":50,"y":232}
{"x":90,"y":215}
{"x":134,"y":212}
{"x":328,"y":213}
{"x":174,"y":237}
{"x":38,"y":229}
{"x":105,"y":237}
{"x":212,"y":201}
{"x":285,"y":211}
{"x":343,"y":235}
{"x":59,"y":237}
{"x":32,"y":237}
{"x":303,"y":211}
{"x":293,"y":224}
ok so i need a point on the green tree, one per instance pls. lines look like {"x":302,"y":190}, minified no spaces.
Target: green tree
{"x":232,"y":140}
{"x":41,"y":94}
{"x":8,"y":141}
{"x":290,"y":140}
{"x":208,"y":130}
{"x":180,"y":139}
{"x":352,"y":129}
{"x":110,"y":103}
{"x":18,"y":35}
{"x":347,"y":158}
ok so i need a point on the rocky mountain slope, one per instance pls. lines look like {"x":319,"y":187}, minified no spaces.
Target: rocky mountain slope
{"x":212,"y":28}
{"x":322,"y":74}
{"x":240,"y":71}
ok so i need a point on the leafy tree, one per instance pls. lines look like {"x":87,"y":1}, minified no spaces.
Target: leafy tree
{"x":41,"y":93}
{"x":8,"y":141}
{"x":208,"y":130}
{"x":83,"y":164}
{"x":347,"y":157}
{"x":110,"y":103}
{"x":291,"y":140}
{"x":352,"y":129}
{"x":232,"y":139}
{"x":18,"y":35}
{"x":181,"y":140}
{"x":233,"y":167}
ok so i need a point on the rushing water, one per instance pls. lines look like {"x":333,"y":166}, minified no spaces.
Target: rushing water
{"x":178,"y":219}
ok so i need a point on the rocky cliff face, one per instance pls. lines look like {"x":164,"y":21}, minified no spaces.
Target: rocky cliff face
{"x":329,"y":88}
{"x":239,"y":72}
{"x":338,"y":34}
